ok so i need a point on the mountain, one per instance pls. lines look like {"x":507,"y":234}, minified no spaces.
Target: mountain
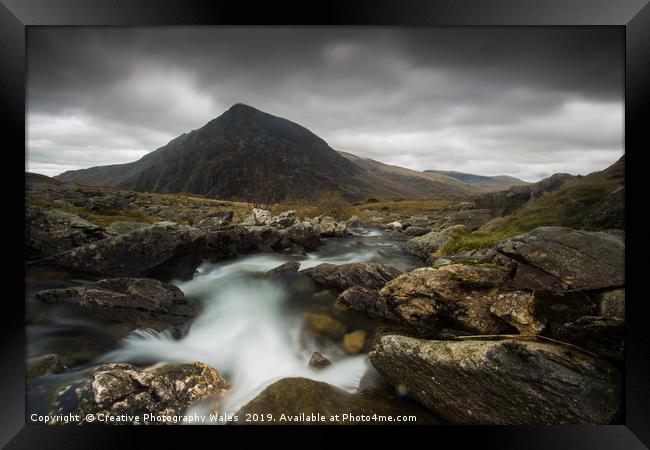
{"x":246,"y":153}
{"x":482,"y":182}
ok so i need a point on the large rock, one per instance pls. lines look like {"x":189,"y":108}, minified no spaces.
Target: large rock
{"x":215,"y":222}
{"x":259,"y":216}
{"x":330,"y":227}
{"x":48,"y":232}
{"x":367,"y":301}
{"x":343,"y":276}
{"x":604,"y":336}
{"x":140,"y":302}
{"x":44,"y":365}
{"x":228,"y":241}
{"x":122,"y":389}
{"x":458,"y":294}
{"x":542,"y":312}
{"x":424,"y":246}
{"x":302,"y":401}
{"x":164,"y":250}
{"x":561,"y":259}
{"x":303,"y":234}
{"x":508,"y":382}
{"x":283,"y":220}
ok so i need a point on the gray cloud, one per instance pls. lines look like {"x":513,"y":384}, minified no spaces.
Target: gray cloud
{"x":517,"y":101}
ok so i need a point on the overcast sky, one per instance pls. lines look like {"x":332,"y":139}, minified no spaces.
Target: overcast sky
{"x":523,"y":102}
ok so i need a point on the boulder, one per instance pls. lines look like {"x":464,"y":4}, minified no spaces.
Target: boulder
{"x":416,"y":231}
{"x":561,"y":259}
{"x":260,"y":216}
{"x":354,"y":342}
{"x":216,"y":222}
{"x":44,"y":365}
{"x":395,"y":226}
{"x":354,"y":222}
{"x":228,"y":241}
{"x":108,"y":203}
{"x":283,"y":220}
{"x":541,"y":312}
{"x":424,"y":246}
{"x":325,"y":325}
{"x":416,"y":221}
{"x":471,"y":218}
{"x":330,"y":227}
{"x":367,"y":301}
{"x":303,"y":234}
{"x":122,"y":389}
{"x":48,"y":232}
{"x":505,"y":382}
{"x":319,"y":361}
{"x":604,"y":336}
{"x":303,"y":401}
{"x":343,"y":276}
{"x":117,"y":228}
{"x":164,"y":250}
{"x":141,"y":302}
{"x":458,"y":294}
{"x":288,"y":267}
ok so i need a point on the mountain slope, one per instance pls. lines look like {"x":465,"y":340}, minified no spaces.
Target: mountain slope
{"x":482,"y":182}
{"x":246,"y":153}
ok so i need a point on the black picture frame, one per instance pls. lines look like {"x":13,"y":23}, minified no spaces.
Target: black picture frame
{"x":632,"y":16}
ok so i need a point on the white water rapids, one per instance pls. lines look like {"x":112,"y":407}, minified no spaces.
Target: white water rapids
{"x":246,"y":330}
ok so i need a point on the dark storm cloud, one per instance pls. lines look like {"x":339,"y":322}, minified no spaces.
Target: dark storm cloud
{"x":526,"y":102}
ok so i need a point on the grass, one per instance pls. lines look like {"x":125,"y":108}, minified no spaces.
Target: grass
{"x":550,"y":209}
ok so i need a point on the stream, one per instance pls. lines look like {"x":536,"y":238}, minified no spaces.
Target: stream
{"x":251,"y":327}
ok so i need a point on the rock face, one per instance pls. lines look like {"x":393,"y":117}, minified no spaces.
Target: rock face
{"x":131,"y":300}
{"x":303,"y":401}
{"x":43,"y":365}
{"x":561,"y":259}
{"x":343,"y":276}
{"x":163,"y":251}
{"x":51,"y":232}
{"x":367,"y":301}
{"x":423,"y":246}
{"x":502,"y":382}
{"x":456,"y":293}
{"x":168,"y":390}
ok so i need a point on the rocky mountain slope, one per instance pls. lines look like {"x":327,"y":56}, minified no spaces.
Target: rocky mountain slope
{"x":245,"y":154}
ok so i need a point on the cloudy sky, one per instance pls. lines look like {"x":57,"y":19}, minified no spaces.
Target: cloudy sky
{"x":526,"y":102}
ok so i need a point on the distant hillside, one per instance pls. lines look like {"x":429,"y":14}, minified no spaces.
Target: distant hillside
{"x":482,"y":182}
{"x":246,"y":153}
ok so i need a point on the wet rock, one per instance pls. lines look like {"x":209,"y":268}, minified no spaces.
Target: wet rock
{"x":294,"y":249}
{"x":303,"y":234}
{"x":458,"y":294}
{"x":122,"y":389}
{"x":49,"y":232}
{"x":229,"y":241}
{"x":319,"y":361}
{"x":291,"y":266}
{"x":283,"y":220}
{"x":561,"y":259}
{"x":424,"y":246}
{"x":325,"y":325}
{"x":131,"y":300}
{"x":354,"y":342}
{"x":164,"y":250}
{"x":117,"y":228}
{"x":604,"y":336}
{"x":343,"y":276}
{"x":367,"y":301}
{"x":373,"y":381}
{"x":507,"y":382}
{"x":44,"y":365}
{"x":304,"y":401}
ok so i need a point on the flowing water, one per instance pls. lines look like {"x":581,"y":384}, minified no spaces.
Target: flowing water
{"x":251,"y":327}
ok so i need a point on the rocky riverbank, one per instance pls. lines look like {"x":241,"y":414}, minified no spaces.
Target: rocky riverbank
{"x":526,"y":329}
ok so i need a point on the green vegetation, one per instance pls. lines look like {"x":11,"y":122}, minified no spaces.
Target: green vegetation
{"x":567,"y":206}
